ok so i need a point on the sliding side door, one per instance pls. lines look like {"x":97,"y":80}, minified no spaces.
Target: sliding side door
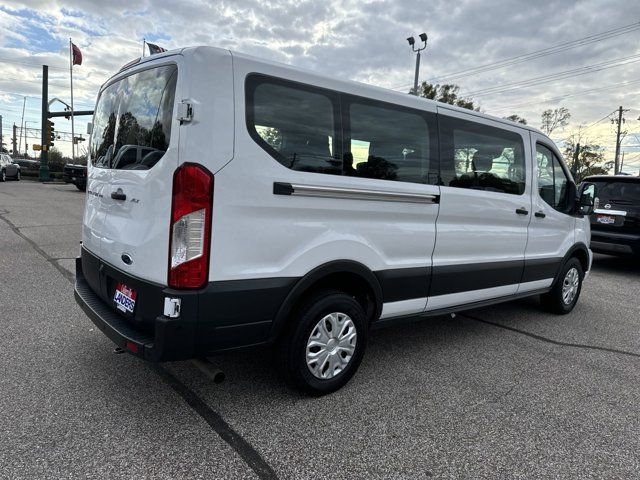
{"x":485,"y":209}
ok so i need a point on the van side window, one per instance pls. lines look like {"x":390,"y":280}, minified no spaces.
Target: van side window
{"x":389,"y":143}
{"x":552,"y":180}
{"x":295,"y":124}
{"x":481,"y":157}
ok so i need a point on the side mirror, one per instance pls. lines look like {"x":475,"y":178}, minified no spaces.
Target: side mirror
{"x":587,"y":200}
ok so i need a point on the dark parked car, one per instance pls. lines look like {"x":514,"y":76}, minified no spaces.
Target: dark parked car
{"x":27,"y":164}
{"x":76,"y":174}
{"x":615,"y":224}
{"x":8,"y":169}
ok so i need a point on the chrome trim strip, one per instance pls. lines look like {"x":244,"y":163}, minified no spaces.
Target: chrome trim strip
{"x":622,"y":213}
{"x":359,"y":194}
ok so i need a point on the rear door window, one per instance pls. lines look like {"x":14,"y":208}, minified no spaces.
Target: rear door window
{"x":132,"y":121}
{"x":618,"y":192}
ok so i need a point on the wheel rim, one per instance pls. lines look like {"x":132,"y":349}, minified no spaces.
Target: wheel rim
{"x":331,"y":345}
{"x":570,"y":286}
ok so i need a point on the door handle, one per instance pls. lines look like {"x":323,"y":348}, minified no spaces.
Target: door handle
{"x":522,"y":211}
{"x":119,"y":195}
{"x":540,"y":214}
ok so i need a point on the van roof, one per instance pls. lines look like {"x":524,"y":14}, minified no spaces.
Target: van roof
{"x":390,"y":94}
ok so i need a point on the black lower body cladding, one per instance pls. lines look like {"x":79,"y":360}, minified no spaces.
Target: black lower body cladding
{"x":221,"y":316}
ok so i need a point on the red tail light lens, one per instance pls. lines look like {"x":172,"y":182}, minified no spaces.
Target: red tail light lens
{"x":190,"y":234}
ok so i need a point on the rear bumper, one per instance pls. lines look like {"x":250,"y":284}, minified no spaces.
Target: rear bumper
{"x":169,"y":339}
{"x":615,"y":243}
{"x":223,"y":315}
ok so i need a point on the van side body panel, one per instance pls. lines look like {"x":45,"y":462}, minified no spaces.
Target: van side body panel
{"x":259,"y":234}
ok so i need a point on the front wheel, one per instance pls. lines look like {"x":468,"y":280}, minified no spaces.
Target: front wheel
{"x":3,"y":176}
{"x":325,"y":343}
{"x":566,"y":291}
{"x":18,"y":176}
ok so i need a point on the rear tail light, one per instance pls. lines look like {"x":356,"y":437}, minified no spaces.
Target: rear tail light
{"x":190,"y":234}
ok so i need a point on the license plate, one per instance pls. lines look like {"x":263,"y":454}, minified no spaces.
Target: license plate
{"x":606,"y":219}
{"x":125,"y":298}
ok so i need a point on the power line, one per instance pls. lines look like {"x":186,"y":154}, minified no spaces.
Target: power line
{"x":31,"y":64}
{"x":569,"y":95}
{"x":541,"y":53}
{"x":556,"y":76}
{"x":532,"y":55}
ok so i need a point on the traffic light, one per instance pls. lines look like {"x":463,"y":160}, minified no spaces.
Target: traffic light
{"x":50,"y":133}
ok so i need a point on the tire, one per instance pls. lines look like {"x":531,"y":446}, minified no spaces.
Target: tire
{"x":340,"y":313}
{"x":566,"y":289}
{"x":82,"y":188}
{"x":18,"y":176}
{"x":3,"y":176}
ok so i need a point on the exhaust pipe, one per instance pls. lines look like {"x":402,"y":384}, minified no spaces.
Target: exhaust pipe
{"x":209,"y":370}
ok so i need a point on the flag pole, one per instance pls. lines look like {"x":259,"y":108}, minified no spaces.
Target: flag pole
{"x":144,"y":40}
{"x":73,"y":136}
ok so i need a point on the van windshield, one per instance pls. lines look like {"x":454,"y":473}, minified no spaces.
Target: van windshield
{"x":132,"y":121}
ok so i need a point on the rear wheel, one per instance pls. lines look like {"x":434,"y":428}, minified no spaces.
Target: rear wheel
{"x":3,"y":176}
{"x":325,"y":343}
{"x":566,"y":291}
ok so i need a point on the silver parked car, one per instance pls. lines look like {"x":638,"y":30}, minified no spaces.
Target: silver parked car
{"x":8,"y":169}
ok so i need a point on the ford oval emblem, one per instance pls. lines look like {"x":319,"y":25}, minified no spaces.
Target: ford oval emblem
{"x":607,"y":206}
{"x":126,"y":258}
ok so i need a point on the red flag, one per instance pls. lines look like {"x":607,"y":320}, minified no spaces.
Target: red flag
{"x":77,"y":55}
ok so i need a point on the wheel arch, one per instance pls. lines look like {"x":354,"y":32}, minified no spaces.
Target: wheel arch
{"x":578,"y":250}
{"x":346,"y":275}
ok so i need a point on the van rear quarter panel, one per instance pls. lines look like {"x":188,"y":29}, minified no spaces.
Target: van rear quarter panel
{"x":208,"y":85}
{"x":257,"y":234}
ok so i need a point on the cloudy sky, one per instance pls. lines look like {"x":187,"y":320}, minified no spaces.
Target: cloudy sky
{"x":588,"y":51}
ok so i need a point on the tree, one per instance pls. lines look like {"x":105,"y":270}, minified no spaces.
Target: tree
{"x":447,"y":93}
{"x":553,"y":119}
{"x":591,"y":159}
{"x":516,"y":118}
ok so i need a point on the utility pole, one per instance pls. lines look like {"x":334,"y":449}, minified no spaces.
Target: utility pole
{"x":24,"y":104}
{"x":44,"y":153}
{"x":412,"y":43}
{"x":14,"y":147}
{"x":576,"y":157}
{"x":619,"y":121}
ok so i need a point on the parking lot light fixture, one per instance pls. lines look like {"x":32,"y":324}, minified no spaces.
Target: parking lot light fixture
{"x":412,"y":43}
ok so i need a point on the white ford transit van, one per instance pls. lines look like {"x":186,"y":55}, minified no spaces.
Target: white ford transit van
{"x":234,"y":202}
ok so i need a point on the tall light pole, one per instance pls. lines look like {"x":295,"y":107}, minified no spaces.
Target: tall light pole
{"x":26,"y":142}
{"x":412,"y":42}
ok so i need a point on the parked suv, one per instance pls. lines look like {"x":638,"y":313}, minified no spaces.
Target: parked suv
{"x":615,"y":224}
{"x":271,"y":205}
{"x":76,"y":174}
{"x":8,"y":169}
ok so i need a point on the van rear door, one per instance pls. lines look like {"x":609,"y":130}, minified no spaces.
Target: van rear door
{"x":134,"y":154}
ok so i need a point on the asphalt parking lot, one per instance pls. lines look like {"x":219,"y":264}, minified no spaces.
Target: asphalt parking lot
{"x":503,"y":392}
